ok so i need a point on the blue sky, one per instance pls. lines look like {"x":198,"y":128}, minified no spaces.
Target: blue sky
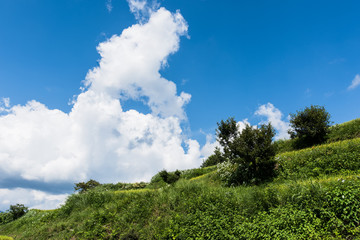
{"x":235,"y":57}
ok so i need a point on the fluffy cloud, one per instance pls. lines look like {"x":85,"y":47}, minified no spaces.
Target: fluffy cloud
{"x":97,"y":138}
{"x":355,"y":82}
{"x":274,"y":116}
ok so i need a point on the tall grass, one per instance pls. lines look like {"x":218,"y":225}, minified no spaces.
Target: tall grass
{"x":328,"y":208}
{"x":341,"y":157}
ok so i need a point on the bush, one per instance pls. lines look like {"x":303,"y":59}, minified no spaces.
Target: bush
{"x":309,"y":127}
{"x":170,"y":178}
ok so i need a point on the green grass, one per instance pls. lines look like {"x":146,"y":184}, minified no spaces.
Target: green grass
{"x":306,"y":209}
{"x":347,"y":130}
{"x":341,"y":157}
{"x":316,"y":195}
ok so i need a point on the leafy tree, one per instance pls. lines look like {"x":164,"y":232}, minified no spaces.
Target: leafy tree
{"x":251,"y":150}
{"x":15,"y":212}
{"x":310,"y":126}
{"x":169,"y":178}
{"x":84,"y":186}
{"x":18,"y":210}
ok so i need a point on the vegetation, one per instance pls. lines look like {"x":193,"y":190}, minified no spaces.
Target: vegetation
{"x":85,"y":186}
{"x":15,"y":212}
{"x":338,"y":132}
{"x":347,"y":130}
{"x":309,"y":127}
{"x":315,"y":194}
{"x":249,"y":152}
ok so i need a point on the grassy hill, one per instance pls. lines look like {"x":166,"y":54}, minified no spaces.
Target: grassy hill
{"x":315,"y":195}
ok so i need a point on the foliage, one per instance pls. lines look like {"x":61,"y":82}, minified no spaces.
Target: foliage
{"x":284,"y":145}
{"x":120,"y":186}
{"x":338,"y":132}
{"x":310,"y":126}
{"x":5,"y":217}
{"x":14,"y":212}
{"x":18,"y":210}
{"x":164,"y":178}
{"x":251,"y":150}
{"x":226,"y":133}
{"x":85,"y":186}
{"x":339,"y":157}
{"x":254,"y":154}
{"x":5,"y":238}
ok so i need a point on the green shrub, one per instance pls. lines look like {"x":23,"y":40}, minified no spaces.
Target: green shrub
{"x":5,"y":217}
{"x":284,"y":145}
{"x":309,"y":127}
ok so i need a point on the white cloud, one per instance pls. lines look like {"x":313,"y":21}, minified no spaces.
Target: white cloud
{"x":97,"y":138}
{"x":355,"y":82}
{"x":36,"y":199}
{"x":242,"y":124}
{"x":142,"y":9}
{"x":274,"y":116}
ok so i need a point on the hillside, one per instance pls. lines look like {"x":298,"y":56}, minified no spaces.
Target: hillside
{"x":314,"y":196}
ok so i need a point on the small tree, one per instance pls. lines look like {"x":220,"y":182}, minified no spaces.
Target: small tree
{"x":251,"y":150}
{"x":18,"y":211}
{"x":84,"y":186}
{"x":226,"y":133}
{"x":310,"y":126}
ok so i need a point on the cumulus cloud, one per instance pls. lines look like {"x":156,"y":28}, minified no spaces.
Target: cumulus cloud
{"x":97,"y":138}
{"x":355,"y":82}
{"x":274,"y":116}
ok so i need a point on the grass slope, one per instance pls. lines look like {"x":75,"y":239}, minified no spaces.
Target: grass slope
{"x":315,"y":196}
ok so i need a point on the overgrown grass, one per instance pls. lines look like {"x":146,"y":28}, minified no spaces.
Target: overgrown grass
{"x":347,"y":130}
{"x":334,"y":158}
{"x":306,"y":209}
